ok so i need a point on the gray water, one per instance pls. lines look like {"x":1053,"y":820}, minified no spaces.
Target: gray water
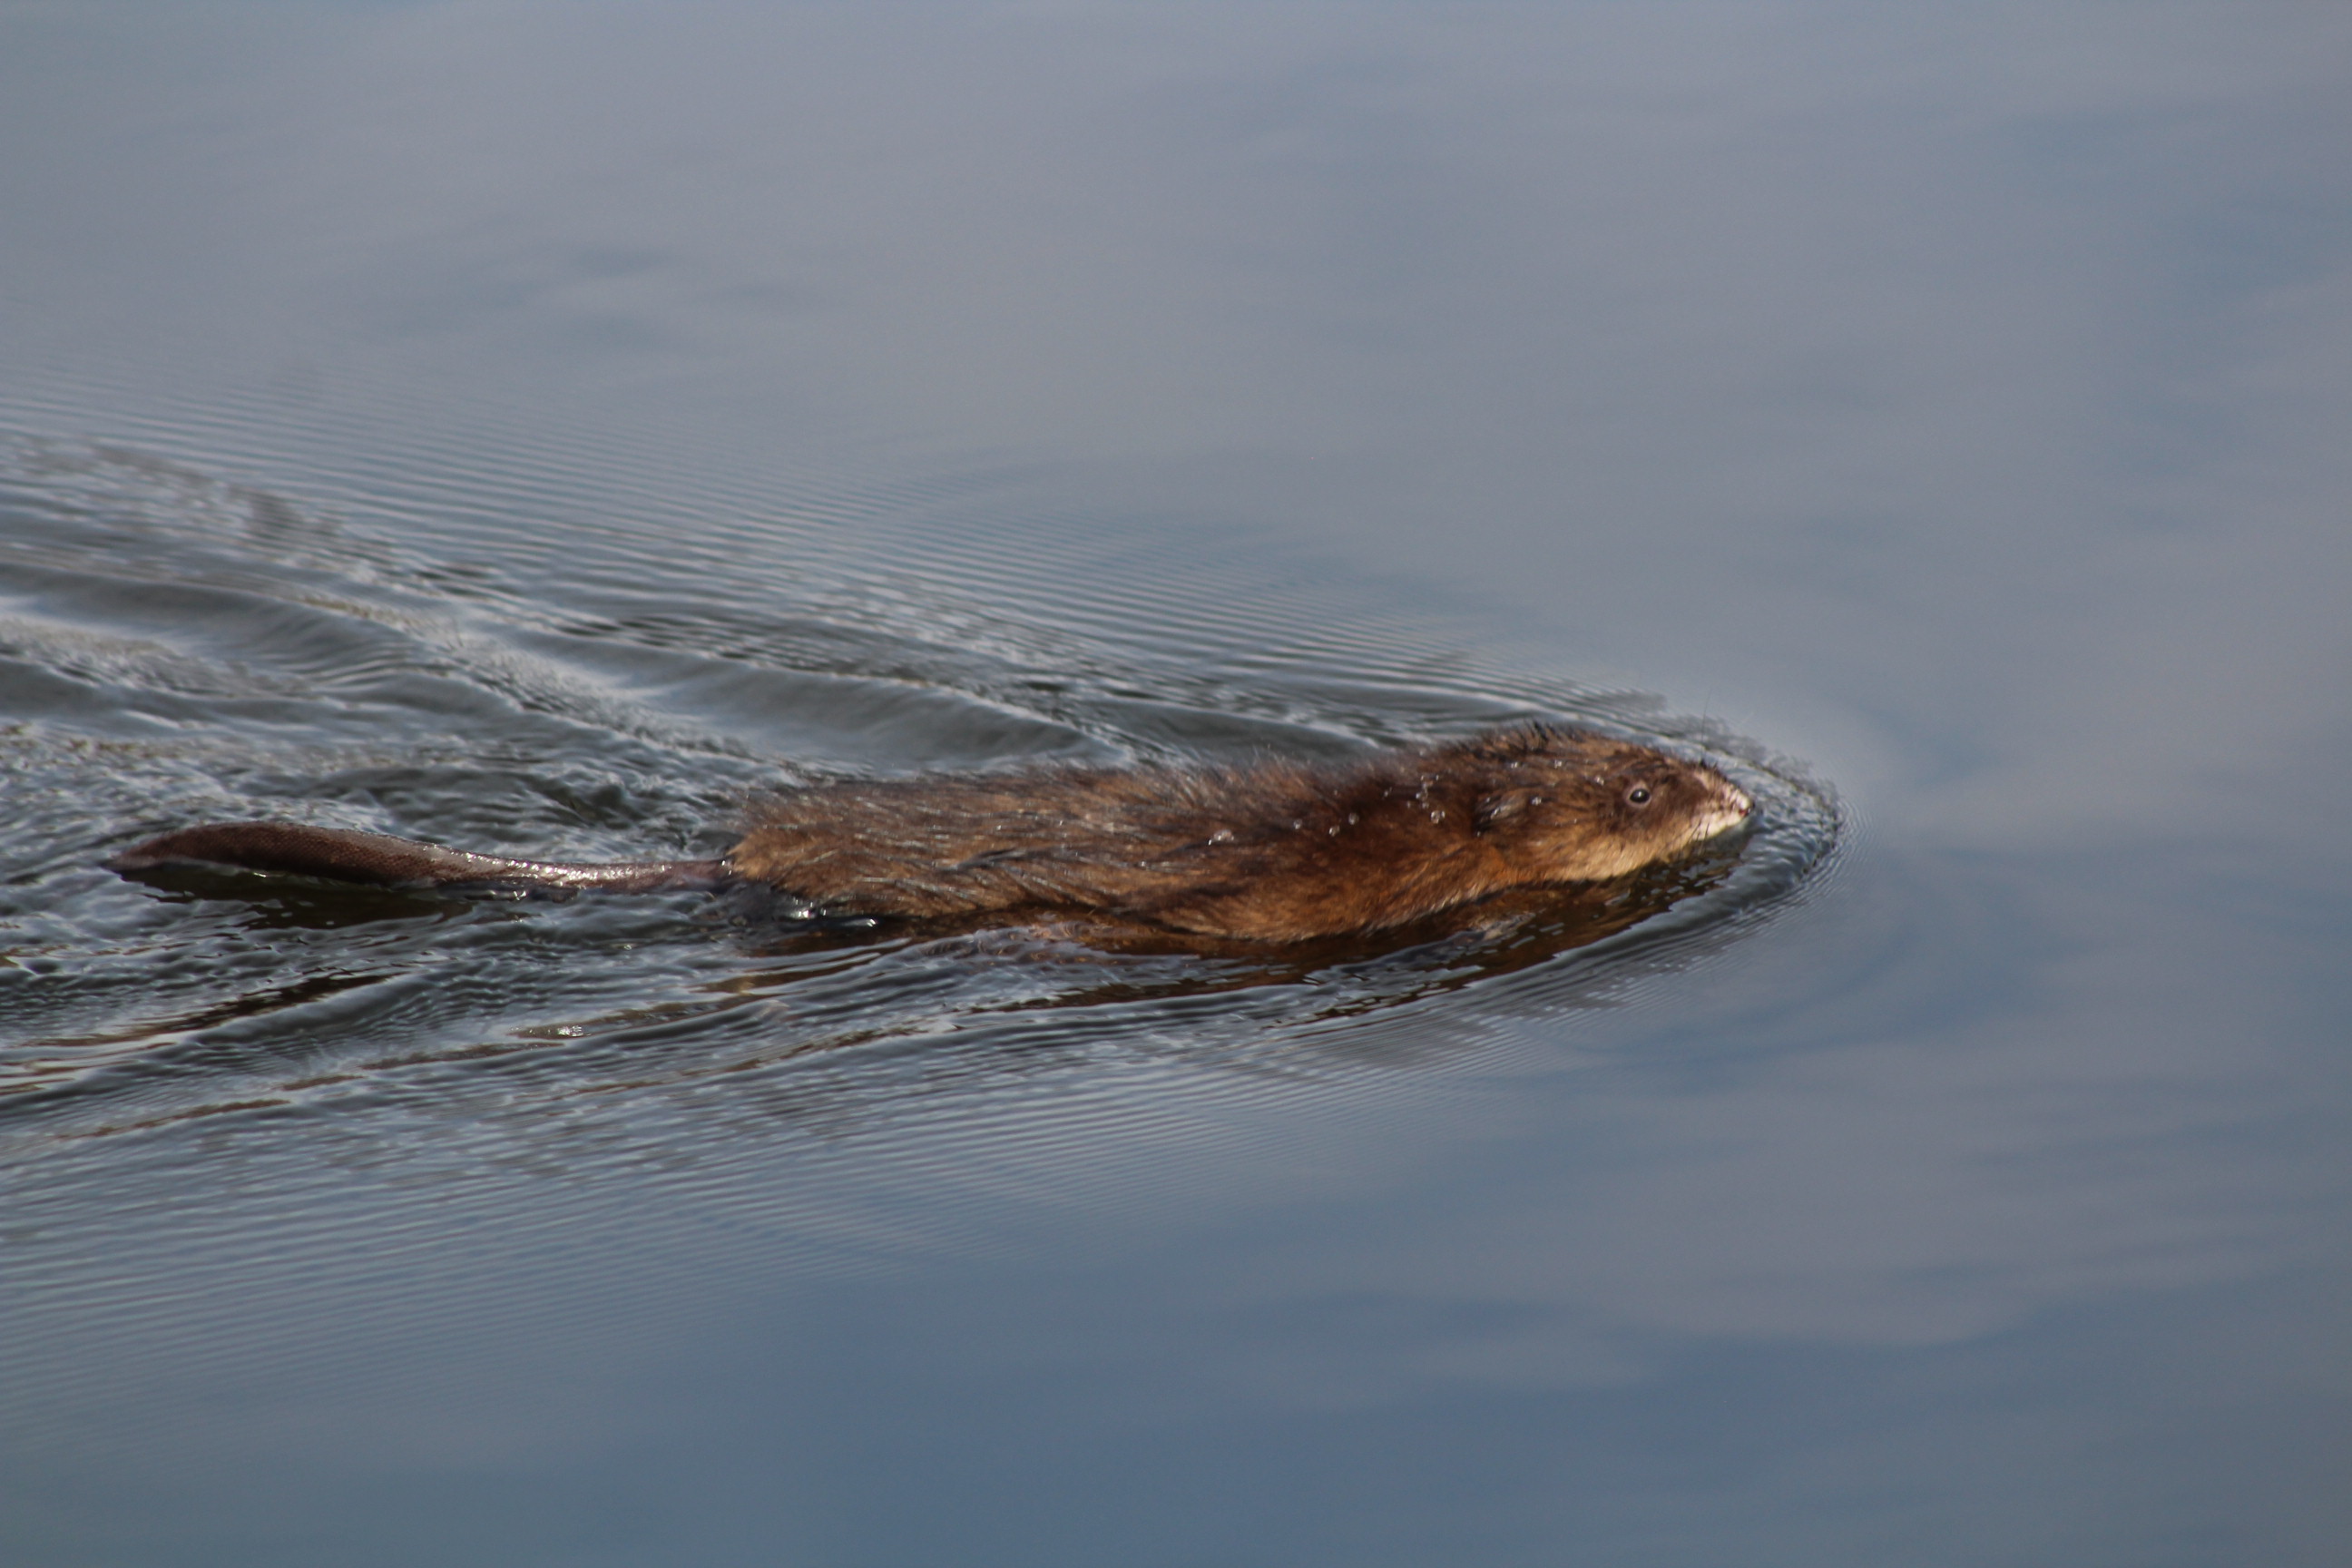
{"x":539,"y":429}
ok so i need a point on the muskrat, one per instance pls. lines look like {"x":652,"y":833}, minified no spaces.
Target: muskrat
{"x":1264,"y":851}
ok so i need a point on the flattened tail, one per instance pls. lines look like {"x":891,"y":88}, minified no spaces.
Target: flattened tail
{"x":383,"y":862}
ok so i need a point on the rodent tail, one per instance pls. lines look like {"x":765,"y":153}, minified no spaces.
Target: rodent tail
{"x":384,"y":861}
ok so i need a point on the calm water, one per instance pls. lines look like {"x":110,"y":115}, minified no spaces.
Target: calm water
{"x":538,"y":429}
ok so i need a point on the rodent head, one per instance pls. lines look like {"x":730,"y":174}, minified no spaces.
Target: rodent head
{"x":1579,"y":808}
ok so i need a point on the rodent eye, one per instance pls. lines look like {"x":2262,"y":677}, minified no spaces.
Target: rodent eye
{"x":1639,"y":795}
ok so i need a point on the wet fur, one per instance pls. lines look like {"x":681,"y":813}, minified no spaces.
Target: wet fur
{"x":1268,"y":851}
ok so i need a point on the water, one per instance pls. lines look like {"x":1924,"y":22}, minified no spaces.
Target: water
{"x":538,"y":432}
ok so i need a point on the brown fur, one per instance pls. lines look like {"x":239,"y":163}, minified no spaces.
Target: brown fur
{"x":1269,"y":851}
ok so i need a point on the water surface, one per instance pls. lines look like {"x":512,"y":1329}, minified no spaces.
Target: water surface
{"x":538,"y":431}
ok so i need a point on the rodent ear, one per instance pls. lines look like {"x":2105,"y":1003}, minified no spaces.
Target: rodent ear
{"x":1501,"y":806}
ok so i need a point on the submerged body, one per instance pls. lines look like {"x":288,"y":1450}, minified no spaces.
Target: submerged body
{"x":1269,"y":851}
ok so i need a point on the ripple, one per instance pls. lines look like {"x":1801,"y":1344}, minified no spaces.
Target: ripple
{"x":366,"y":654}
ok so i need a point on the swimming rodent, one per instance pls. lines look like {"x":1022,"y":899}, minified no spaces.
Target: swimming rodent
{"x":1263,"y":851}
